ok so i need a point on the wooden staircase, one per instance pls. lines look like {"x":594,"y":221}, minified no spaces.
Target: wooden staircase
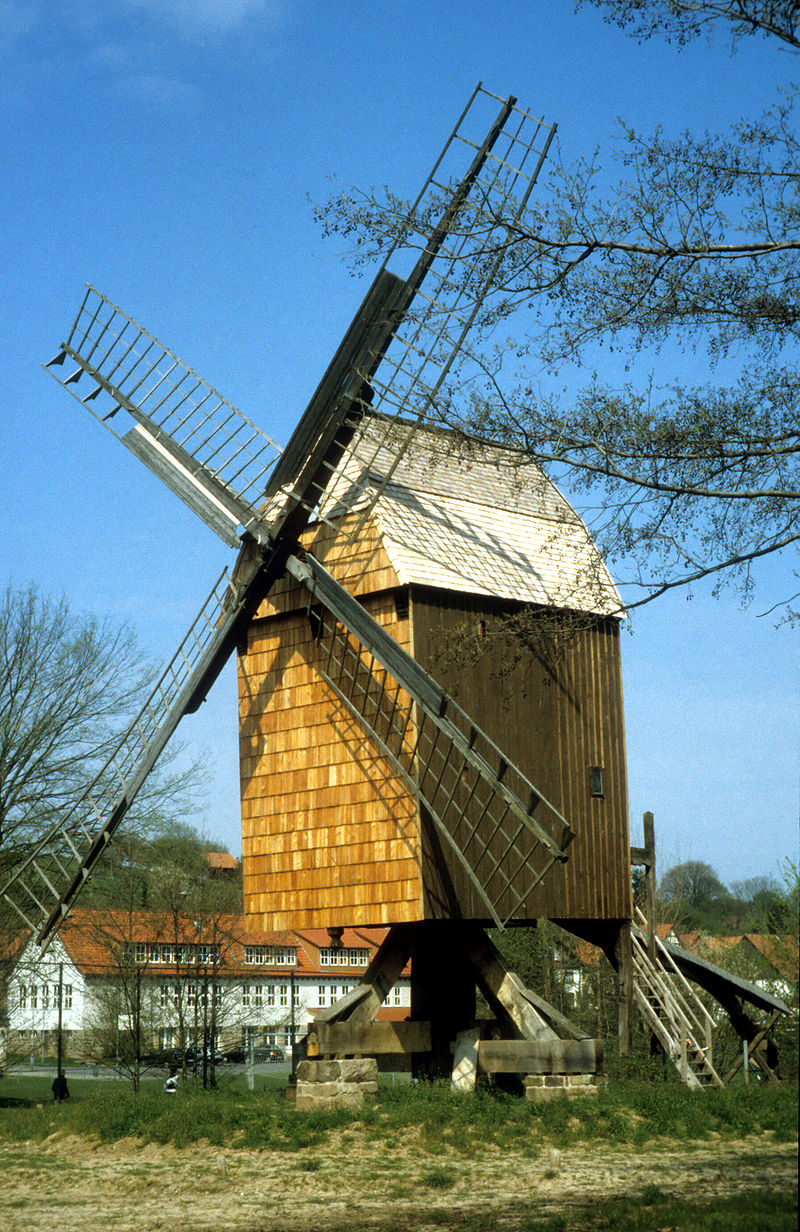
{"x":672,"y":1009}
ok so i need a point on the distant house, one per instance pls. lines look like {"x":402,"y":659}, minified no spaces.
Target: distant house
{"x":171,"y":980}
{"x":221,"y":863}
{"x":770,"y":962}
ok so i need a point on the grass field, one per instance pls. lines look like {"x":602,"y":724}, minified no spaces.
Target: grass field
{"x":642,"y":1156}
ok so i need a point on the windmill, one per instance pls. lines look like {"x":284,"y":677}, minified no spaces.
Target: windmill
{"x":406,"y":339}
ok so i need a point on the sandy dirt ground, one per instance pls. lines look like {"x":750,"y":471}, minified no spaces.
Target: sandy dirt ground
{"x":353,"y":1183}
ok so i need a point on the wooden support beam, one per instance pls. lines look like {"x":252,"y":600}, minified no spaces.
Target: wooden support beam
{"x":624,"y":965}
{"x":504,"y":991}
{"x":368,"y":1038}
{"x":362,"y":1003}
{"x":541,"y":1056}
{"x":753,"y":1045}
{"x":650,"y":884}
{"x":553,"y":1017}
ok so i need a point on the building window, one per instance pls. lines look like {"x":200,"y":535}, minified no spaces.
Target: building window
{"x":208,"y":953}
{"x":596,"y":779}
{"x":344,"y":957}
{"x":322,"y":995}
{"x":270,"y":955}
{"x":269,"y":994}
{"x":23,"y":996}
{"x":34,"y":1002}
{"x":169,"y":995}
{"x":296,"y":995}
{"x":246,"y":1000}
{"x":45,"y":997}
{"x":67,"y":1002}
{"x":258,"y":996}
{"x":283,"y":994}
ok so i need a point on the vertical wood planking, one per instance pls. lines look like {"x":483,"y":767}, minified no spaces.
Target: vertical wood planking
{"x":556,"y":720}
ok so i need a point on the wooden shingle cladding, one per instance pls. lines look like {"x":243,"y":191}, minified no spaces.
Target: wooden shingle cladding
{"x":454,"y":543}
{"x":330,"y":834}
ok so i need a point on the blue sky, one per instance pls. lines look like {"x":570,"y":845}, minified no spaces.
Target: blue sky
{"x":168,"y":151}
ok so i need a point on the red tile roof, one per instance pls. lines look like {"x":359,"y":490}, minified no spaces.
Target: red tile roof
{"x":221,"y":860}
{"x":92,"y":938}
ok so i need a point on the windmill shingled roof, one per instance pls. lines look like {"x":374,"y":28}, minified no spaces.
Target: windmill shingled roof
{"x":465,"y":515}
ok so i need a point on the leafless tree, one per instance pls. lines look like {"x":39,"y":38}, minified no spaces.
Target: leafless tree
{"x":69,"y":686}
{"x":692,"y":246}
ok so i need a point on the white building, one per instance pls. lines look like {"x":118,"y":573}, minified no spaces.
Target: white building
{"x":173,"y":982}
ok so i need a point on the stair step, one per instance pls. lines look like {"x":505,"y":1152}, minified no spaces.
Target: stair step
{"x":656,"y":990}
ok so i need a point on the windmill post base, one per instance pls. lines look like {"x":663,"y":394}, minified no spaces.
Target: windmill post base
{"x":527,"y":1047}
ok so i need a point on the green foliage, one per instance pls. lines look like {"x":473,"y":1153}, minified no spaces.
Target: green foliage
{"x":439,"y":1178}
{"x":754,"y":1210}
{"x":692,"y":897}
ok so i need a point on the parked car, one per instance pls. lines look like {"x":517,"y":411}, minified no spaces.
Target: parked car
{"x":193,"y":1054}
{"x":161,"y":1057}
{"x":240,"y":1056}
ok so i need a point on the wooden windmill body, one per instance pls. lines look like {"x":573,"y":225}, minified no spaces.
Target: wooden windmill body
{"x":465,"y":536}
{"x":370,"y":793}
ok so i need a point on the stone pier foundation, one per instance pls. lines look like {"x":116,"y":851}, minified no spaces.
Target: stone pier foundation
{"x":335,"y":1084}
{"x":554,"y":1086}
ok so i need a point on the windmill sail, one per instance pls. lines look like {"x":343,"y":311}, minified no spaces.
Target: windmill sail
{"x":198,"y":443}
{"x":394,"y":359}
{"x":454,"y":234}
{"x":401,"y":346}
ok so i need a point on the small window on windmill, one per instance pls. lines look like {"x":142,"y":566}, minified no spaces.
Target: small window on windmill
{"x":596,"y":780}
{"x":481,"y":629}
{"x":401,"y":607}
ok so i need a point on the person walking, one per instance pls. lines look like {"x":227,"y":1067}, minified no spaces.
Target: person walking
{"x":59,"y":1087}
